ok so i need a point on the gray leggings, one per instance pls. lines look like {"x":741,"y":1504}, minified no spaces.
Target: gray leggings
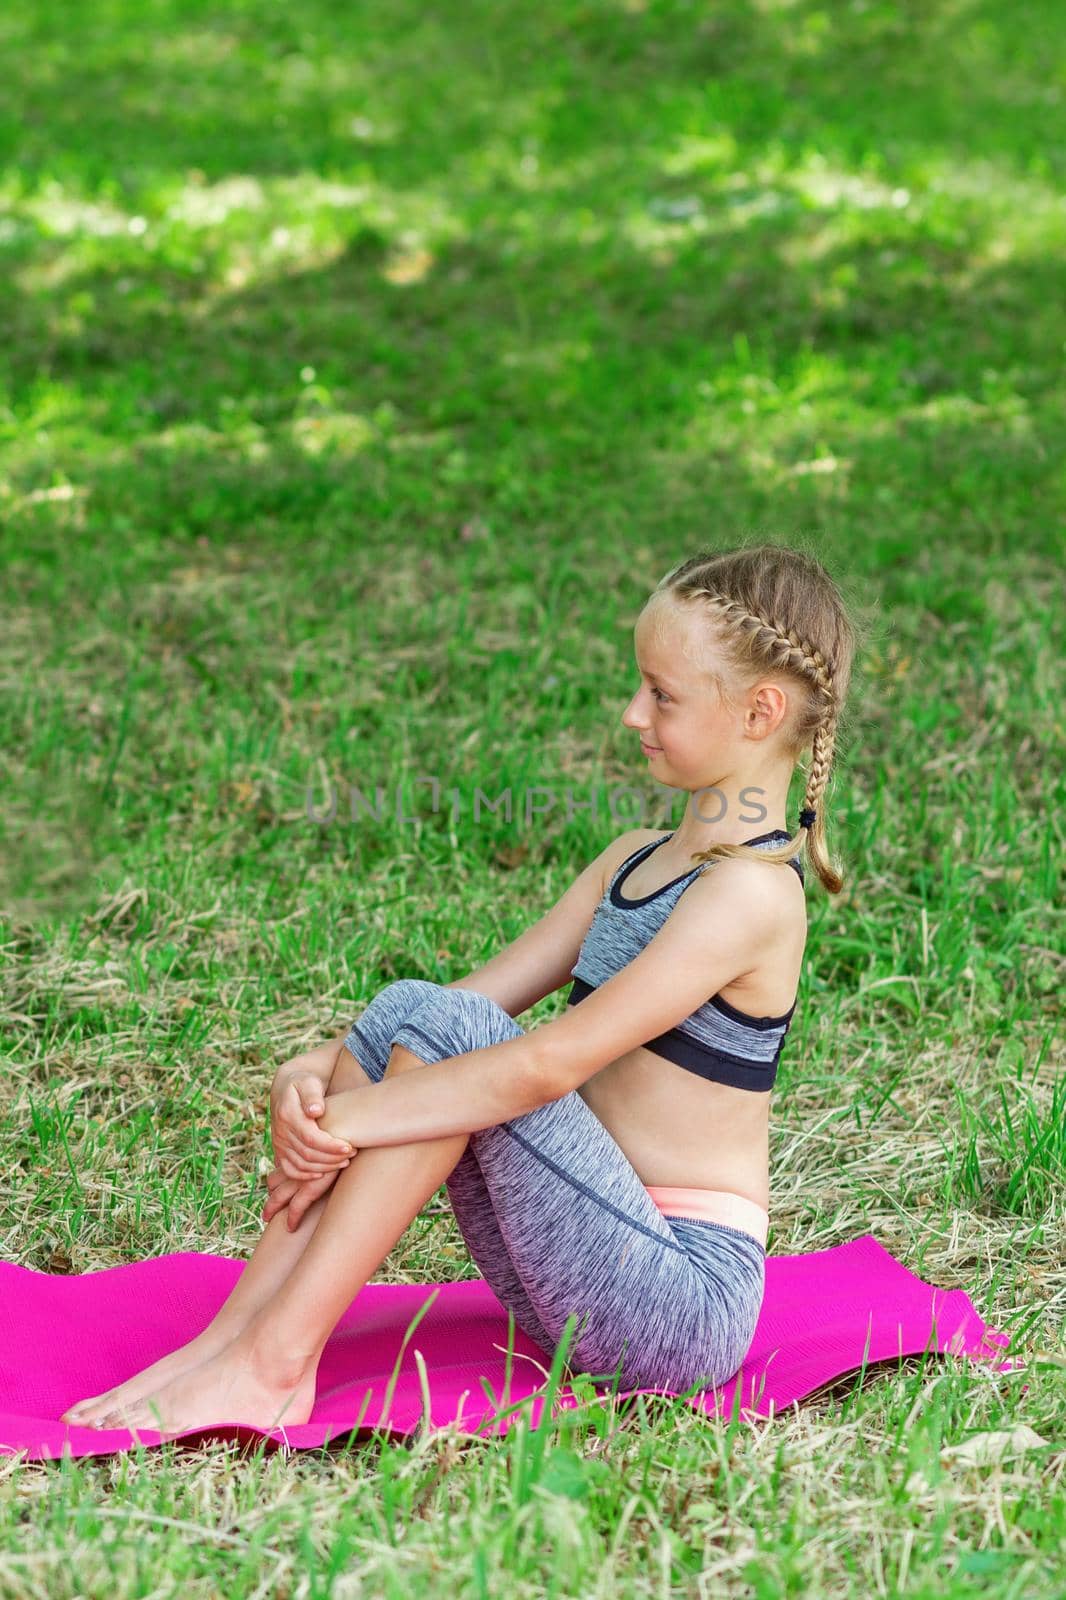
{"x":557,"y":1220}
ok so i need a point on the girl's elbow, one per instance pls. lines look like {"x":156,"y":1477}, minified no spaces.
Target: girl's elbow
{"x":557,"y":1066}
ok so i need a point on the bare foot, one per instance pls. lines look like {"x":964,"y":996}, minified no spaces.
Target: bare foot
{"x":230,"y":1386}
{"x":207,"y":1344}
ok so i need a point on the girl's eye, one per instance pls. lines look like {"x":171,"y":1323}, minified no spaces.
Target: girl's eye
{"x":660,"y":694}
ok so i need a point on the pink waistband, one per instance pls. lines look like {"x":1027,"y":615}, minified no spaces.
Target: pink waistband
{"x":712,"y":1205}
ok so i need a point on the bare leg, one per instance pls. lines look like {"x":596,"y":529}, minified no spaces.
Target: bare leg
{"x":275,"y":1333}
{"x":276,"y":1254}
{"x":279,"y":1251}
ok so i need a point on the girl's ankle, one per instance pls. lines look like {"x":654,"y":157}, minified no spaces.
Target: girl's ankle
{"x":218,"y":1334}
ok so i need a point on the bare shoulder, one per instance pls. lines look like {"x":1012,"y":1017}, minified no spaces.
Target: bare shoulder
{"x":756,"y":890}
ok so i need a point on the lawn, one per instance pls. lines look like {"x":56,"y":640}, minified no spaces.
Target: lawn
{"x":363,"y":368}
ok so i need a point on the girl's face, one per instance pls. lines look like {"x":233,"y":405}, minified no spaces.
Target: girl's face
{"x":687,"y":735}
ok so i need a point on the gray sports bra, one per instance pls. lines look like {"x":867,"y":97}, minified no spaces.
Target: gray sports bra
{"x":717,"y":1041}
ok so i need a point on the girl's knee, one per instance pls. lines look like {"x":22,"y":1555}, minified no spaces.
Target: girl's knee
{"x":398,"y":999}
{"x":474,"y":1016}
{"x":371,"y":1035}
{"x":454,"y":1021}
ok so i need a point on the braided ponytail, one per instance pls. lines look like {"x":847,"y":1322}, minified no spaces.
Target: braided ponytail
{"x":775,"y":609}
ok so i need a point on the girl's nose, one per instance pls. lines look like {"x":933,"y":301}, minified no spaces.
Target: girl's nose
{"x":630,"y":717}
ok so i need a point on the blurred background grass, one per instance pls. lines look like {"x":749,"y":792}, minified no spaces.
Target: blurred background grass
{"x":362,"y":371}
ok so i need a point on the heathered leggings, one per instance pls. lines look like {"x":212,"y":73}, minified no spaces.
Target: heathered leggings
{"x":558,"y":1221}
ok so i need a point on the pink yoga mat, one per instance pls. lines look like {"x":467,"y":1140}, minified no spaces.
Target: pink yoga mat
{"x":825,"y":1314}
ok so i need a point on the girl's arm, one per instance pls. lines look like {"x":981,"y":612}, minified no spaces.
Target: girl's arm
{"x":458,"y":1095}
{"x":686,"y":960}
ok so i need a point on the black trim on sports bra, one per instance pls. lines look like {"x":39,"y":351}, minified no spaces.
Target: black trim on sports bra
{"x":627,"y":867}
{"x":634,"y":860}
{"x":715,"y":1065}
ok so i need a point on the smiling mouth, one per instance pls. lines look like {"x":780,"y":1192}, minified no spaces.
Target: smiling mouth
{"x":651,"y":749}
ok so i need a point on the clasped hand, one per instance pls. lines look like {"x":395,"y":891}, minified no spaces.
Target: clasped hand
{"x":307,"y":1158}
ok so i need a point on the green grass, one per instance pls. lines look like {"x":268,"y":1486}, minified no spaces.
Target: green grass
{"x":363,"y":369}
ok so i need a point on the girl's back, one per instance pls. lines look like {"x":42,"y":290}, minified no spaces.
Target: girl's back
{"x":704,"y":1125}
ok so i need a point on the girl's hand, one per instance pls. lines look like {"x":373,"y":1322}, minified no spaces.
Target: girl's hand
{"x":301,"y":1149}
{"x":297,"y":1196}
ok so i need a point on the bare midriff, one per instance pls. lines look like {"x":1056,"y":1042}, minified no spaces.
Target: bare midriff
{"x":681,"y":1131}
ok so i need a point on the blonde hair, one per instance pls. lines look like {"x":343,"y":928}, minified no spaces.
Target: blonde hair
{"x":774,"y":609}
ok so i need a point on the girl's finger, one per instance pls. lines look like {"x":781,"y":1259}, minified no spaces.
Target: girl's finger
{"x":311,"y":1169}
{"x":319,"y":1164}
{"x":283,"y":1193}
{"x":307,"y":1133}
{"x":294,"y":1169}
{"x":317,"y":1159}
{"x":298,"y":1210}
{"x":274,"y":1205}
{"x":307,"y":1128}
{"x":306,"y":1174}
{"x":327,"y":1143}
{"x":299,"y":1175}
{"x":292,"y":1145}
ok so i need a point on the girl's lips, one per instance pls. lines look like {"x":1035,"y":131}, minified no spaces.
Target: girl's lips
{"x":649,"y":749}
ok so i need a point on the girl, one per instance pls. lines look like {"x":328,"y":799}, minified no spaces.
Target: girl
{"x":613,"y":1162}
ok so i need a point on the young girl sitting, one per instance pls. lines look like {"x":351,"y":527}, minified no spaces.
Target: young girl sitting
{"x":611,"y":1163}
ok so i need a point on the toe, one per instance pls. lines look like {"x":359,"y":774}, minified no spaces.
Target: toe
{"x":84,"y":1409}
